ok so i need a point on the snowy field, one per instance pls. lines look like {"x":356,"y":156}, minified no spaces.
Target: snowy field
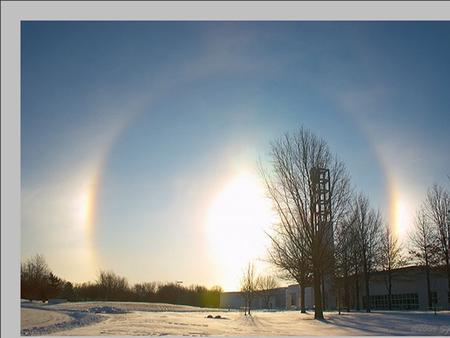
{"x":113,"y":318}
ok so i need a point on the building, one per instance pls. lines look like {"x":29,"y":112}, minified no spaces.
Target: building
{"x":409,"y":289}
{"x":409,"y":292}
{"x":271,"y":299}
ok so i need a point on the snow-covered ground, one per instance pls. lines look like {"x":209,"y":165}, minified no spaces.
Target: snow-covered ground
{"x":38,"y":318}
{"x":113,"y":318}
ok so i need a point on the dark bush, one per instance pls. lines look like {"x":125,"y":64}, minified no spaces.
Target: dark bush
{"x":39,"y":283}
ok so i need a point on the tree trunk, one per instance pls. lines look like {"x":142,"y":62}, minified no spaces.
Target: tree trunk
{"x":339,"y":299}
{"x":366,"y":280}
{"x":302,"y":298}
{"x":389,"y":290}
{"x":267,"y":301}
{"x":346,"y":292}
{"x":318,"y":311}
{"x":448,"y":270}
{"x":322,"y":279}
{"x":356,"y":281}
{"x":427,"y":272}
{"x":302,"y":282}
{"x":357,"y":291}
{"x":448,"y":253}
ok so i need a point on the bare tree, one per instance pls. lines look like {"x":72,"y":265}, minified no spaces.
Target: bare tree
{"x":265,"y":284}
{"x":34,"y":276}
{"x":290,"y":187}
{"x":249,"y":286}
{"x":424,"y":247}
{"x":343,"y":260}
{"x":437,"y":208}
{"x":145,"y":291}
{"x":112,"y":286}
{"x":355,"y":264}
{"x":291,"y":262}
{"x":390,"y":258}
{"x":367,"y":227}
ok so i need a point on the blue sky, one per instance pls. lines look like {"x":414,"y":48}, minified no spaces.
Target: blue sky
{"x":130,"y":130}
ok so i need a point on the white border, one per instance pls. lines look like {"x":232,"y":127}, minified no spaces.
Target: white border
{"x":228,"y":10}
{"x":14,"y":12}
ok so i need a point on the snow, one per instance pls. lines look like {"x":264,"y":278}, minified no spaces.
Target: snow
{"x":106,"y":309}
{"x":37,"y":318}
{"x":41,"y":321}
{"x":115,"y":318}
{"x":126,"y":306}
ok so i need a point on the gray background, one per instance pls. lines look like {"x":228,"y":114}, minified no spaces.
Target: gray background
{"x":14,"y":12}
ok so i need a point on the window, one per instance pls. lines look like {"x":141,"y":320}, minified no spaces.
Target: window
{"x":404,"y":301}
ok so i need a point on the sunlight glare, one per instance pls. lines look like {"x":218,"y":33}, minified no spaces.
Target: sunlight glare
{"x":236,"y":224}
{"x":401,"y":218}
{"x":83,"y":209}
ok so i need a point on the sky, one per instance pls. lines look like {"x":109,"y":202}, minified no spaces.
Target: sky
{"x":140,"y":141}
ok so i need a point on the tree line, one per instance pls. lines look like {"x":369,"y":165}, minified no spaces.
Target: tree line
{"x":344,"y":240}
{"x":38,"y":282}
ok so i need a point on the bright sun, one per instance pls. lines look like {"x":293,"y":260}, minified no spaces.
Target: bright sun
{"x":401,"y":217}
{"x":236,"y":224}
